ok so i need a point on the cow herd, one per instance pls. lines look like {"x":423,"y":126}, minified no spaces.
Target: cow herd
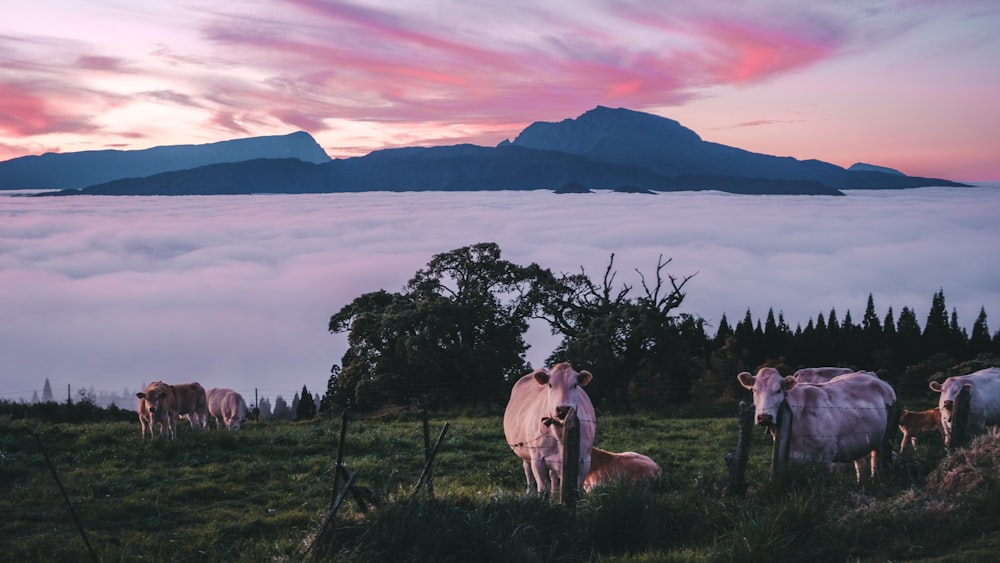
{"x":838,"y":415}
{"x":164,"y":404}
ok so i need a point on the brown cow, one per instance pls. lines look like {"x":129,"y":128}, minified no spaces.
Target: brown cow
{"x":607,"y":467}
{"x":146,"y":419}
{"x":167,"y":402}
{"x":156,"y":402}
{"x":915,"y":423}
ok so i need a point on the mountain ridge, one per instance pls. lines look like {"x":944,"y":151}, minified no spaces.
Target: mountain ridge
{"x":603,"y":148}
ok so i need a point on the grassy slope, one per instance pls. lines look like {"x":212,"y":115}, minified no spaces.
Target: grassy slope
{"x":261,"y":494}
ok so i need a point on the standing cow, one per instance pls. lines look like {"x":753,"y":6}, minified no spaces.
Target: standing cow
{"x":168,"y":402}
{"x":146,"y":419}
{"x":843,"y":420}
{"x":532,"y":423}
{"x":984,"y":400}
{"x":609,"y":467}
{"x":226,"y":407}
{"x":156,"y":402}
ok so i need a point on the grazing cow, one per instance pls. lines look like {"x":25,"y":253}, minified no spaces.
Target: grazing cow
{"x":532,"y":423}
{"x":608,"y":467}
{"x":915,"y":423}
{"x":842,"y":420}
{"x":819,"y":375}
{"x":168,"y":402}
{"x":227,"y":407}
{"x":984,"y":400}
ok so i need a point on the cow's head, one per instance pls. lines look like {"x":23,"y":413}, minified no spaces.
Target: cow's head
{"x":769,"y":390}
{"x":946,"y":403}
{"x":564,"y":389}
{"x":154,"y":395}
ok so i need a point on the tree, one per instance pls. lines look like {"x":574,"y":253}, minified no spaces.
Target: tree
{"x":936,"y":331}
{"x":455,"y":333}
{"x":980,"y":341}
{"x":47,"y":396}
{"x":306,"y":409}
{"x":624,"y":340}
{"x":281,"y":410}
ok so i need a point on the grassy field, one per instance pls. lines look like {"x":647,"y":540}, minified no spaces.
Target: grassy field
{"x":262,"y":493}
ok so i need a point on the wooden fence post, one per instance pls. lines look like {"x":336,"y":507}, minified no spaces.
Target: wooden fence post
{"x":891,"y":425}
{"x":960,"y":419}
{"x":425,"y":474}
{"x":782,"y":437}
{"x":570,"y":459}
{"x":427,"y":455}
{"x":736,"y":461}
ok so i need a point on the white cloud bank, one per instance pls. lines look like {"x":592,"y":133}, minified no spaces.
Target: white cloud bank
{"x":237,"y":291}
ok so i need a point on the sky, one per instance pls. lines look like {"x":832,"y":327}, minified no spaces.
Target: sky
{"x":909,"y":84}
{"x":238,"y":291}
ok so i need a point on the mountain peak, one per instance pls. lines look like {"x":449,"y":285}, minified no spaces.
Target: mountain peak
{"x":609,"y":132}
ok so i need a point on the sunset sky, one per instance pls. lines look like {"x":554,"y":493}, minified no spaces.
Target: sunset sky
{"x":908,"y":84}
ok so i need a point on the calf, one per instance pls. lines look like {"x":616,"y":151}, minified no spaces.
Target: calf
{"x":915,"y":423}
{"x":158,"y":404}
{"x":607,"y":467}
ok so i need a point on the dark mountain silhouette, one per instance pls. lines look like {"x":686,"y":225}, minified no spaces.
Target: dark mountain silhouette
{"x":615,"y":149}
{"x":86,"y":168}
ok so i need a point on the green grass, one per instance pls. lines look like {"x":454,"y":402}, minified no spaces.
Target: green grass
{"x":262,"y":493}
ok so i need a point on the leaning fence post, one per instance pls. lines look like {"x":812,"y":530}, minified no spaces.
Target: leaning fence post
{"x":782,"y":437}
{"x":570,"y":459}
{"x":425,"y":474}
{"x":736,"y":461}
{"x":337,"y":468}
{"x":960,"y":419}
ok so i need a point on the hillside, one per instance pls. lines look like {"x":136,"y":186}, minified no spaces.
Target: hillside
{"x":76,"y":170}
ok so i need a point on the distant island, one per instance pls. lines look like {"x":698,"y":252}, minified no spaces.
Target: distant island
{"x":603,"y":149}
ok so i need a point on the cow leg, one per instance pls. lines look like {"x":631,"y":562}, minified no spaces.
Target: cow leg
{"x":529,"y":478}
{"x":902,"y":445}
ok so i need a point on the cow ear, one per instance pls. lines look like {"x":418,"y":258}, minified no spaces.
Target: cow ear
{"x":541,"y":376}
{"x":967,"y":386}
{"x":584,"y":378}
{"x":746,"y":379}
{"x":788,"y":383}
{"x":935,"y":386}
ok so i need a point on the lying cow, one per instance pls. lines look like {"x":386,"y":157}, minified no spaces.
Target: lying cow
{"x":226,"y":407}
{"x":532,"y":423}
{"x":984,"y":400}
{"x":608,"y":467}
{"x":168,"y":402}
{"x":915,"y":423}
{"x":842,"y":420}
{"x":819,"y":375}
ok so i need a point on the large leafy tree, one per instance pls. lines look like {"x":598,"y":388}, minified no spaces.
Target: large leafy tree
{"x":456,"y":332}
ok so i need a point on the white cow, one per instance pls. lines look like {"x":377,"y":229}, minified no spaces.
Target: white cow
{"x":227,"y":407}
{"x":984,"y":400}
{"x":843,"y":420}
{"x":819,"y":375}
{"x":532,"y":423}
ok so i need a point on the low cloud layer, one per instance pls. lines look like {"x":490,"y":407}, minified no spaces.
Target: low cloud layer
{"x":237,"y":290}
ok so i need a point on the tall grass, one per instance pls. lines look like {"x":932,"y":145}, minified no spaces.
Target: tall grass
{"x":262,"y":493}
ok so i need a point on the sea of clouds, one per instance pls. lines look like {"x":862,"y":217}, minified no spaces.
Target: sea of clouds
{"x":237,"y":291}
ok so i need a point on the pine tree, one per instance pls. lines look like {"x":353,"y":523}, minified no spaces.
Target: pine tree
{"x":936,"y":331}
{"x":306,"y":407}
{"x":980,"y":342}
{"x":47,"y":392}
